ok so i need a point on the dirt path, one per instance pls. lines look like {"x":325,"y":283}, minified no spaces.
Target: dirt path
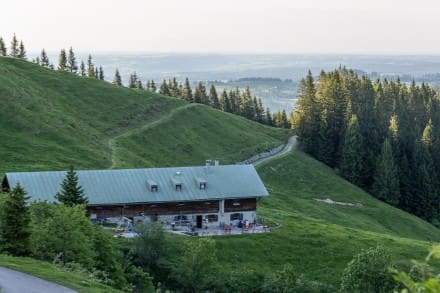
{"x":16,"y":282}
{"x":287,"y":148}
{"x":112,"y":141}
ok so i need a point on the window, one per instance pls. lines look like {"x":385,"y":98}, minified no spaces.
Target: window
{"x":202,"y":185}
{"x":178,"y":187}
{"x":212,"y":218}
{"x":152,"y":185}
{"x":236,"y":216}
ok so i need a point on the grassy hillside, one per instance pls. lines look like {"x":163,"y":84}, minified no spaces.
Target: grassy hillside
{"x":319,"y":239}
{"x":54,"y":274}
{"x":193,"y":133}
{"x":52,"y":119}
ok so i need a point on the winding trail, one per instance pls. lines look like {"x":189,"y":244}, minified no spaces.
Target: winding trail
{"x":291,"y":142}
{"x":112,"y":141}
{"x":17,"y":282}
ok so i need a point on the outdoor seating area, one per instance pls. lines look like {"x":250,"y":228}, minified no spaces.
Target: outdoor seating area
{"x":220,"y":230}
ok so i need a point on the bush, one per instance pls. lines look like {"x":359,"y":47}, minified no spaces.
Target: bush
{"x":368,"y":272}
{"x":287,"y":280}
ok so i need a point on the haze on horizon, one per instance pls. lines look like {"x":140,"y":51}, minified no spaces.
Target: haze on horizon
{"x":228,"y":26}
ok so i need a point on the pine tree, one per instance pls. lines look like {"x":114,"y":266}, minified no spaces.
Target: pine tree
{"x":174,"y":88}
{"x":268,"y":119}
{"x":14,"y":47}
{"x":96,"y":74}
{"x":245,"y":107}
{"x":101,"y":73}
{"x":424,"y":202}
{"x":225,"y":104}
{"x":164,"y":90}
{"x":62,"y":61}
{"x":259,"y":110}
{"x":139,"y":84}
{"x":21,"y":51}
{"x":132,"y":82}
{"x":213,"y":98}
{"x":90,"y":67}
{"x":83,"y":69}
{"x":15,"y":229}
{"x":284,"y":122}
{"x":198,"y":93}
{"x":306,"y":117}
{"x":117,"y":79}
{"x":72,"y":66}
{"x":44,"y":59}
{"x":353,"y":153}
{"x":187,"y":92}
{"x":2,"y":47}
{"x":71,"y":192}
{"x":153,"y":86}
{"x":386,"y":184}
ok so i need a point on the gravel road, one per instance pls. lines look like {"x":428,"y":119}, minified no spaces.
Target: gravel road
{"x":16,"y":282}
{"x":287,"y":148}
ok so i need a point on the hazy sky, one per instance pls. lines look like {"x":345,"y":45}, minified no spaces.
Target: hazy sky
{"x":248,"y":26}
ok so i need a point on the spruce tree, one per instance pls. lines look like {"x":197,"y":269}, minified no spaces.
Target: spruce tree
{"x":72,"y":66}
{"x":164,"y":90}
{"x":174,"y":88}
{"x":96,"y":74}
{"x":153,"y":86}
{"x":139,"y":84}
{"x":268,"y":119}
{"x":198,"y":93}
{"x":117,"y":79}
{"x":187,"y":92}
{"x":71,"y":192}
{"x":21,"y":51}
{"x":44,"y":59}
{"x":386,"y":184}
{"x":132,"y":82}
{"x":15,"y":229}
{"x":83,"y":69}
{"x":2,"y":47}
{"x":353,"y":153}
{"x":224,"y":101}
{"x":213,"y":98}
{"x":14,"y":47}
{"x":62,"y":61}
{"x":101,"y":73}
{"x":260,"y":111}
{"x":90,"y":67}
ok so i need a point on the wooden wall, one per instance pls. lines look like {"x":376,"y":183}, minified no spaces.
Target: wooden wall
{"x":237,"y":205}
{"x":170,"y":208}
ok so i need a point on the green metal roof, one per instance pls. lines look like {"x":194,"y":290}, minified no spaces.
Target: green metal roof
{"x":127,"y":186}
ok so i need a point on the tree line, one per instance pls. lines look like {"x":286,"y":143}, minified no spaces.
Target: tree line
{"x":383,"y":136}
{"x":235,"y":101}
{"x":66,"y":61}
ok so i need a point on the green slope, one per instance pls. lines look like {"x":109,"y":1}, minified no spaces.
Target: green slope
{"x":51,"y":120}
{"x":52,"y":273}
{"x":191,"y":134}
{"x":319,"y":239}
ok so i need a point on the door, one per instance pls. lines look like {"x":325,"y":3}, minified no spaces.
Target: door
{"x":199,"y":221}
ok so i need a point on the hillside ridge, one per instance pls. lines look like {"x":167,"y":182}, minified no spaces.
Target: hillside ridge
{"x":113,"y":141}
